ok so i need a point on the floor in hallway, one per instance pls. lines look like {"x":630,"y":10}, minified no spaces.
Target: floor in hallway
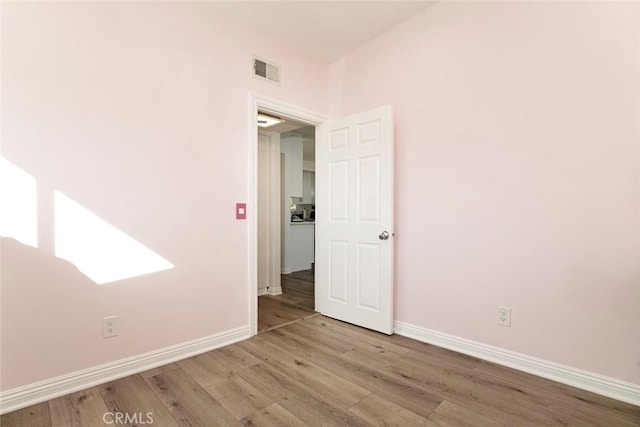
{"x":294,"y":304}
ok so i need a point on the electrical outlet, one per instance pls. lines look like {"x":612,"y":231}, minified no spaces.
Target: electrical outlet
{"x":109,"y":326}
{"x":504,"y":316}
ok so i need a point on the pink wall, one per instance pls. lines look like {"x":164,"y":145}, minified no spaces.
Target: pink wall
{"x":517,"y":173}
{"x":137,"y":112}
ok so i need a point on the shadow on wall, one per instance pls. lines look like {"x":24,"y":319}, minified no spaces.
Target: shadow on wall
{"x":98,"y":249}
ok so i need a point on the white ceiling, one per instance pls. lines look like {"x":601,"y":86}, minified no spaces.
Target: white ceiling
{"x":322,"y":30}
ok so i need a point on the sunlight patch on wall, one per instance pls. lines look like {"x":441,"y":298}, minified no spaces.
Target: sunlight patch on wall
{"x":18,"y":204}
{"x":101,"y":251}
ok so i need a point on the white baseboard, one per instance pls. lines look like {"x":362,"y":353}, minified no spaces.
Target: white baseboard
{"x":285,"y":270}
{"x":275,"y":291}
{"x":262,"y":291}
{"x":41,"y":391}
{"x":600,"y":384}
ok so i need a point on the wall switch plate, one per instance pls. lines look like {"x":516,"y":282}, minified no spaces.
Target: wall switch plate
{"x":504,"y":316}
{"x":241,"y":211}
{"x":109,"y":326}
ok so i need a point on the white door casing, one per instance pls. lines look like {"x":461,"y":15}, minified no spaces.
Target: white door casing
{"x":279,"y":108}
{"x":354,"y":195}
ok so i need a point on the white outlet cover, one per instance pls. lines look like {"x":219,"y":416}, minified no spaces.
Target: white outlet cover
{"x":109,"y":326}
{"x":504,"y":316}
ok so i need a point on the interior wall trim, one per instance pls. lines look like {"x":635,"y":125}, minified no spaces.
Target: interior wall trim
{"x":596,"y":383}
{"x":42,"y":391}
{"x":273,"y":290}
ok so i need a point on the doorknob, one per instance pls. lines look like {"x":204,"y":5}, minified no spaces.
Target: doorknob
{"x":384,"y":235}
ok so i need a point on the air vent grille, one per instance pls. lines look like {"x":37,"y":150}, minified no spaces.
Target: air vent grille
{"x":266,"y":71}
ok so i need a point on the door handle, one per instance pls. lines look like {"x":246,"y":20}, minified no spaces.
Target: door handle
{"x":384,"y":235}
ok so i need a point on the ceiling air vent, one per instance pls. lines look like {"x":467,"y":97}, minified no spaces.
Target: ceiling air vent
{"x":266,"y":71}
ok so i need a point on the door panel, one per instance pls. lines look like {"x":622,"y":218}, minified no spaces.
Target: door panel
{"x":368,"y":185}
{"x":339,"y":138}
{"x":338,"y":266}
{"x":368,"y":256}
{"x":354,"y":194}
{"x":339,"y":199}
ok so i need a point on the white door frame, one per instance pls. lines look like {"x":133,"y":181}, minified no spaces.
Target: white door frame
{"x":269,"y":105}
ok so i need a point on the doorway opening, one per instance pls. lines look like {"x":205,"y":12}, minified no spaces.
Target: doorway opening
{"x":355,"y":216}
{"x":286,"y":150}
{"x":282,"y":256}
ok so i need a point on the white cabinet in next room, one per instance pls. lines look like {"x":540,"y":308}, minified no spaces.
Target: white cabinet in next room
{"x":299,"y":250}
{"x":308,"y":188}
{"x":291,"y":147}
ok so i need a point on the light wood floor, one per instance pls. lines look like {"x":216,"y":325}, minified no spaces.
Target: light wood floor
{"x":294,"y":304}
{"x":322,"y":372}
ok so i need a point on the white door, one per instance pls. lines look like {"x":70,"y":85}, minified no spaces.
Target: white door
{"x":354,"y":219}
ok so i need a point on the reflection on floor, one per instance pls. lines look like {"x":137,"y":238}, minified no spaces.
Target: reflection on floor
{"x":295,"y":303}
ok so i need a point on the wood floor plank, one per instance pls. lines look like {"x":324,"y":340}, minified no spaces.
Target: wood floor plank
{"x":201,"y":370}
{"x":296,"y":302}
{"x":331,"y":387}
{"x":381,"y":412}
{"x":234,"y":358}
{"x":450,"y":414}
{"x":442,"y":353}
{"x":189,"y":404}
{"x":273,"y":313}
{"x":279,"y":325}
{"x":303,"y":279}
{"x":319,"y":413}
{"x":374,"y":341}
{"x":82,"y":409}
{"x":492,"y":398}
{"x":237,"y":396}
{"x":295,"y":283}
{"x":303,"y":402}
{"x":442,"y":358}
{"x":267,"y":321}
{"x":273,"y":415}
{"x":398,"y":392}
{"x":210,"y":364}
{"x":487,"y":396}
{"x":333,"y":342}
{"x":297,"y":293}
{"x":36,"y":415}
{"x":295,"y":298}
{"x":132,"y":395}
{"x":272,"y":382}
{"x":598,"y":407}
{"x":277,"y":307}
{"x":556,"y":412}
